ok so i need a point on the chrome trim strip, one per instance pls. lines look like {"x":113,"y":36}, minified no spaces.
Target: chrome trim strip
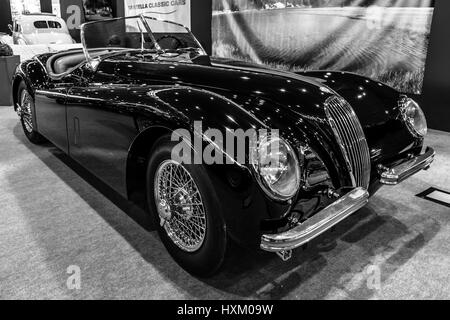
{"x":65,"y":95}
{"x":51,"y":94}
{"x":318,"y":224}
{"x":401,"y":172}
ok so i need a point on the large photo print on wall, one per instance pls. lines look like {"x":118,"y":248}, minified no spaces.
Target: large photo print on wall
{"x":386,"y":40}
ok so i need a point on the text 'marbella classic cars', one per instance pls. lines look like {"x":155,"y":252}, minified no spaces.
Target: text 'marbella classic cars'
{"x":113,"y":106}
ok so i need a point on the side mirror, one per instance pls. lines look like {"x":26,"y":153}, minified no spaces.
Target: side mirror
{"x":10,"y":27}
{"x":93,"y":64}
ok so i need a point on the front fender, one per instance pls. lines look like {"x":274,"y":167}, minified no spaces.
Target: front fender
{"x":28,"y":72}
{"x":214,"y":110}
{"x":219,"y":112}
{"x":32,"y":72}
{"x":246,"y":203}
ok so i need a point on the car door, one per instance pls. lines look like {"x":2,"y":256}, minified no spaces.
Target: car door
{"x":50,"y":110}
{"x":100,"y":128}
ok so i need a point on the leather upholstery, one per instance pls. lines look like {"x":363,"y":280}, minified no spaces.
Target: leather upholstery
{"x":61,"y":64}
{"x":65,"y":63}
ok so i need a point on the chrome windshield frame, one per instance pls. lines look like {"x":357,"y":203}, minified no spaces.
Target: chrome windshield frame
{"x":180,"y":25}
{"x":93,"y":62}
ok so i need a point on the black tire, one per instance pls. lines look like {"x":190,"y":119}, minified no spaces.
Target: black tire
{"x":207,"y":260}
{"x":28,"y":126}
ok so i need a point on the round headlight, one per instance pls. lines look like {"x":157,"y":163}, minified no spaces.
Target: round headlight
{"x":414,"y":117}
{"x":277,"y":168}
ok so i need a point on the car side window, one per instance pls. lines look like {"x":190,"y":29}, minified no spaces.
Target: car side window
{"x":40,"y":24}
{"x":54,"y":25}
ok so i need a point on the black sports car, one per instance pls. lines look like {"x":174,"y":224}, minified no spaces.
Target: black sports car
{"x":114,"y":108}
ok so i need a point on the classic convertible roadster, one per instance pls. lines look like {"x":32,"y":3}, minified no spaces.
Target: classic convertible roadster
{"x":114,"y":106}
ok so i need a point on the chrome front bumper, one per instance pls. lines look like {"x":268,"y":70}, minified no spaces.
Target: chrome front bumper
{"x":316,"y":225}
{"x":401,"y":172}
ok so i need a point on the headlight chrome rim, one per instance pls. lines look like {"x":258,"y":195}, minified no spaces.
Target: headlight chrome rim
{"x":267,"y":188}
{"x":406,"y":104}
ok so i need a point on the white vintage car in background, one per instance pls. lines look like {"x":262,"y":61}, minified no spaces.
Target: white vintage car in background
{"x":32,"y":29}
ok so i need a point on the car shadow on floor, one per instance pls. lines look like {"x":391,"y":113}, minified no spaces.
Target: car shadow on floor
{"x":364,"y":240}
{"x":329,"y":264}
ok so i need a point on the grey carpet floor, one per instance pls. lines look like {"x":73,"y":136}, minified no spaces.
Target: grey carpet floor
{"x":51,"y":218}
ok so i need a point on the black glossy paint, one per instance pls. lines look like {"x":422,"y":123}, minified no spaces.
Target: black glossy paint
{"x":108,"y":120}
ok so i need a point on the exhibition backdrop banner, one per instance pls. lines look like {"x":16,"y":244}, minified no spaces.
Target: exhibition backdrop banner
{"x":172,"y":10}
{"x":383,"y":39}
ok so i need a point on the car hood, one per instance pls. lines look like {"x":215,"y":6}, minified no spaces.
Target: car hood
{"x":375,"y":104}
{"x":257,"y":90}
{"x":293,"y":103}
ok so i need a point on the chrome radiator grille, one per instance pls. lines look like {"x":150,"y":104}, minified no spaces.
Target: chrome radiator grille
{"x":350,"y":135}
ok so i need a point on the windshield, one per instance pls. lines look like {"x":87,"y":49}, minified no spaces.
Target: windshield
{"x":142,"y":33}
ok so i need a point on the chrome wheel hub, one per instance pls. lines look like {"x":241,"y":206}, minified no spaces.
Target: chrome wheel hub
{"x":24,"y":110}
{"x":180,"y":206}
{"x":164,"y":211}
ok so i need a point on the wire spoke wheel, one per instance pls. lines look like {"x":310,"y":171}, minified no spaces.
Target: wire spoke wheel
{"x":180,"y":206}
{"x":25,"y":104}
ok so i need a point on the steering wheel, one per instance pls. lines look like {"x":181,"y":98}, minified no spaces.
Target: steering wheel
{"x":170,"y":42}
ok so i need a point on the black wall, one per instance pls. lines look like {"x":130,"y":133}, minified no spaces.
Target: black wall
{"x":46,"y":6}
{"x":118,"y":8}
{"x":435,"y":97}
{"x":201,"y":16}
{"x":5,"y":15}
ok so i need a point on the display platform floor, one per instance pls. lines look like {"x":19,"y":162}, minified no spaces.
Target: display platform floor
{"x":55,"y":218}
